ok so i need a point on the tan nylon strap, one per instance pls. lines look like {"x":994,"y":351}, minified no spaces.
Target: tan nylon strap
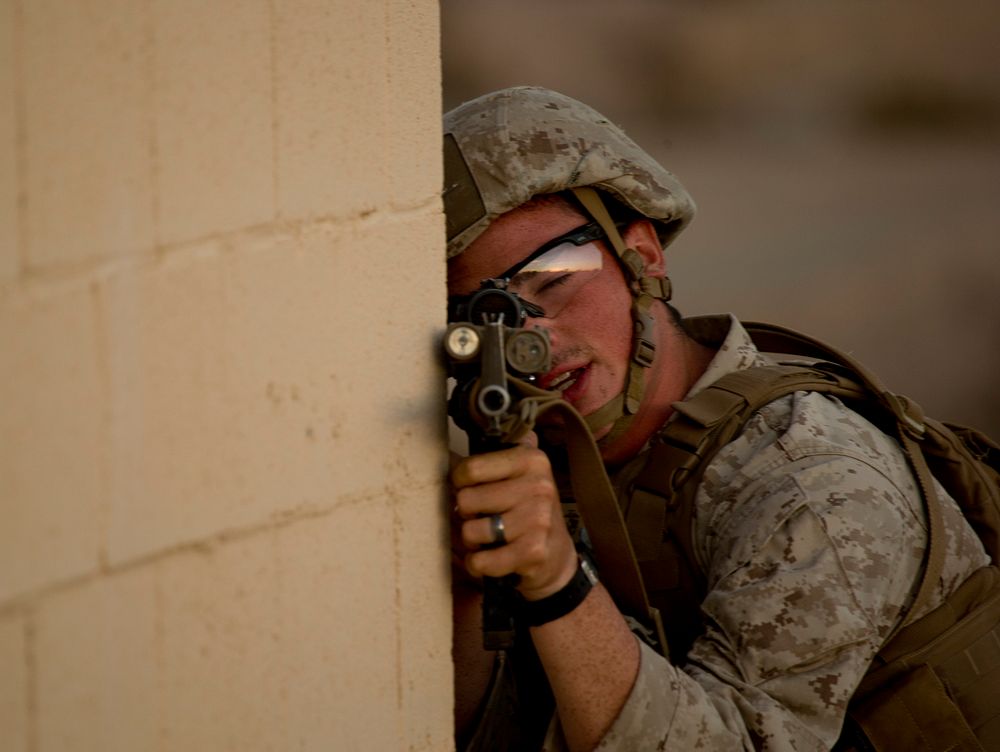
{"x":959,"y":643}
{"x":935,"y":547}
{"x":646,"y":521}
{"x":620,"y":425}
{"x":643,"y":352}
{"x":919,"y":714}
{"x":772,"y":338}
{"x":982,"y":587}
{"x":605,"y":414}
{"x":658,"y":287}
{"x":739,"y":394}
{"x":634,"y":263}
{"x":595,"y":207}
{"x":708,"y":421}
{"x":910,"y":419}
{"x":622,"y":407}
{"x":616,"y":411}
{"x":644,"y":291}
{"x":733,"y":398}
{"x":595,"y":499}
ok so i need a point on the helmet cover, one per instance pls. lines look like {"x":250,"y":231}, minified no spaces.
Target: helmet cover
{"x":504,"y":148}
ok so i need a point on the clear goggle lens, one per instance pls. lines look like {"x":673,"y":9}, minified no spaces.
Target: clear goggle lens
{"x":551,"y":280}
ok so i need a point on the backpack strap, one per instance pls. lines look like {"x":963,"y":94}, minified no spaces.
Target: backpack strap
{"x":659,"y":511}
{"x":777,"y":339}
{"x":911,"y":427}
{"x":660,"y":499}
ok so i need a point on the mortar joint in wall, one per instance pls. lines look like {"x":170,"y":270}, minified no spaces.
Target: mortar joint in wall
{"x":52,"y":279}
{"x":31,"y":678}
{"x":105,"y":567}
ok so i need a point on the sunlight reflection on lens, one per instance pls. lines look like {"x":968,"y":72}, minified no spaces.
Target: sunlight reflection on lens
{"x":566,"y":258}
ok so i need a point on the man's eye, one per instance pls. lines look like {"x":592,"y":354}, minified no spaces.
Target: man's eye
{"x":554,"y":283}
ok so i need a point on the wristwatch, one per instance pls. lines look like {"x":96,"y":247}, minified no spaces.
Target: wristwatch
{"x":561,"y":602}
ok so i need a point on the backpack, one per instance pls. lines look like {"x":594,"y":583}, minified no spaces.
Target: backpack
{"x":935,"y":684}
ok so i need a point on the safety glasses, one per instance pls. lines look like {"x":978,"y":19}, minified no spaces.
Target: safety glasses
{"x":549,"y":278}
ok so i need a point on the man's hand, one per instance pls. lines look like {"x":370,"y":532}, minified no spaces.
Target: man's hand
{"x":589,"y":655}
{"x":516,"y":483}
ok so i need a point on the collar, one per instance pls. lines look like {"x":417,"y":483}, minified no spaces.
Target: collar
{"x":734,"y":349}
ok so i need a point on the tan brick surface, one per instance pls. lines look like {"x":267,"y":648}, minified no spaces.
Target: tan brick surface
{"x":221,"y":635}
{"x":286,"y":639}
{"x":13,"y":685}
{"x":335,"y":582}
{"x":221,"y":456}
{"x":305,"y":618}
{"x":51,"y":440}
{"x":97,"y":655}
{"x":334,"y":152}
{"x":9,"y":261}
{"x":87,"y":115}
{"x":291,"y":638}
{"x":413,"y":102}
{"x":424,"y":598}
{"x":244,"y":381}
{"x":214,"y":155}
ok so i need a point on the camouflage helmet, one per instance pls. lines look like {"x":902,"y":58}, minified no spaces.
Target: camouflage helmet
{"x":506,"y":147}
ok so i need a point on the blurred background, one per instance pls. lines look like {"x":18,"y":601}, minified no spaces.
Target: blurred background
{"x":844,"y":155}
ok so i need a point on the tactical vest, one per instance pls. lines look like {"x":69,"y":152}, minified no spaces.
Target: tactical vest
{"x":935,"y":684}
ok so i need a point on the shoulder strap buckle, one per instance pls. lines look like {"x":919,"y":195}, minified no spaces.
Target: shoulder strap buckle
{"x":908,"y":413}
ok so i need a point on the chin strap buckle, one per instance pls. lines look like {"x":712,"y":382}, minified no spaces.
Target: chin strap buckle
{"x":643,"y":352}
{"x":657,"y":287}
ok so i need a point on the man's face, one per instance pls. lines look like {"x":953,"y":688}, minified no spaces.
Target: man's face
{"x":591,"y":332}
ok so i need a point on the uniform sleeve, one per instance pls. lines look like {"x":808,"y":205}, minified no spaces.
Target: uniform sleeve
{"x":810,"y":564}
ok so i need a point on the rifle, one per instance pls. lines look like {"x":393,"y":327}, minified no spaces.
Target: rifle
{"x":485,"y":344}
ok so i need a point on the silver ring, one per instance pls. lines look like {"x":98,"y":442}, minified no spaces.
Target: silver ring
{"x":497,"y":531}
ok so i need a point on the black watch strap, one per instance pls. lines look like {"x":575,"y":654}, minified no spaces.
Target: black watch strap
{"x":560,"y":603}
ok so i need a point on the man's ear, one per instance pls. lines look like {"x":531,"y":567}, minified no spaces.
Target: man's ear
{"x":641,"y":235}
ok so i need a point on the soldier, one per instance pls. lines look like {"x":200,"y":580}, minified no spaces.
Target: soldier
{"x":808,"y":529}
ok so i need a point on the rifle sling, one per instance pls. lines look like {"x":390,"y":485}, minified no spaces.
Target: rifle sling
{"x":595,"y":499}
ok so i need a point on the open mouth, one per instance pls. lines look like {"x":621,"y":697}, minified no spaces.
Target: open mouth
{"x":565,"y":381}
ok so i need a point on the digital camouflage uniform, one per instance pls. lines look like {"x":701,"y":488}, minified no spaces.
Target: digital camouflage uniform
{"x":811,"y":534}
{"x":808,"y":526}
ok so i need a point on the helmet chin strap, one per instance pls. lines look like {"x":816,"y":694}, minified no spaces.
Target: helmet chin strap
{"x":621,"y":409}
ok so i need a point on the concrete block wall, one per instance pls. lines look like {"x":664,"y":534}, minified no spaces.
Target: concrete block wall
{"x":221,"y":279}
